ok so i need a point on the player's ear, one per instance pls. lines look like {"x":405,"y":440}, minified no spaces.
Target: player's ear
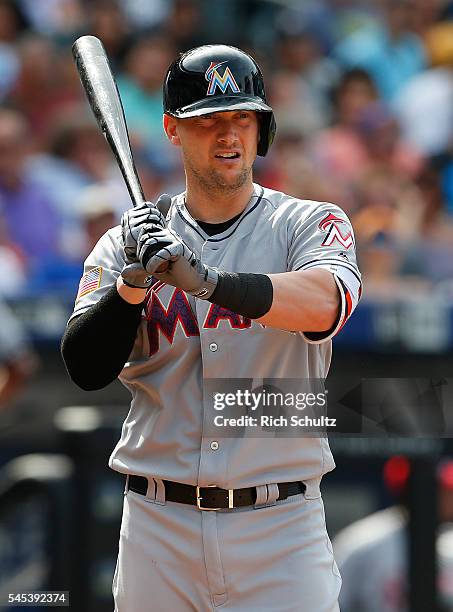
{"x":170,"y":127}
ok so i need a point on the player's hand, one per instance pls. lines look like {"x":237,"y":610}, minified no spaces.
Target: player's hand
{"x":165,"y":249}
{"x":133,"y":220}
{"x":135,"y":276}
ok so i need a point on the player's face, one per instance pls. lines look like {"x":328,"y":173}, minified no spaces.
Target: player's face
{"x":218,"y":149}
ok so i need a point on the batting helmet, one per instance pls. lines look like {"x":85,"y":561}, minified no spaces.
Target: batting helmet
{"x":216,"y":78}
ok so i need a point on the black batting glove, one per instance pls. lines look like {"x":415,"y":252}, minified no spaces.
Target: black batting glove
{"x":133,"y":220}
{"x":164,"y":255}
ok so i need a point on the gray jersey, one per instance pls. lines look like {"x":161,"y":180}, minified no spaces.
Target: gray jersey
{"x":182,"y":342}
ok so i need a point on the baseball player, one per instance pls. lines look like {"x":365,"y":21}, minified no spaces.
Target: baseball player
{"x":236,"y":282}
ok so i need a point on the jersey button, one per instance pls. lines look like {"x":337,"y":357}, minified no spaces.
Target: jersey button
{"x":214,"y":445}
{"x":213,"y":347}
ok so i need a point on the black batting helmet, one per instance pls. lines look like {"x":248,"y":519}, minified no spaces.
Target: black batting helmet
{"x":216,"y":78}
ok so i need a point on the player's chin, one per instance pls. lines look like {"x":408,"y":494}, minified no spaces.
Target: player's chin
{"x":232,"y":180}
{"x":229,"y":170}
{"x":232,"y":171}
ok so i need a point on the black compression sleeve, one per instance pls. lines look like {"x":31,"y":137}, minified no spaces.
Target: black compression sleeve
{"x":249,"y":295}
{"x":96,"y":344}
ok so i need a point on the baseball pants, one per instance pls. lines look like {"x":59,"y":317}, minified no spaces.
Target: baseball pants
{"x":270,"y":557}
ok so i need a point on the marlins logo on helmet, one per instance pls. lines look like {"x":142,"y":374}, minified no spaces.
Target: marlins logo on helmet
{"x":222,"y":82}
{"x":331,"y":225}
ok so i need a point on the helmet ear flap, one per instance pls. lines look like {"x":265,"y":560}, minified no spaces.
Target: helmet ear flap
{"x":267,"y":132}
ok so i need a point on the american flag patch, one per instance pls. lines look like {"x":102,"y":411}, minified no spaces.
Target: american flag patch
{"x":90,"y":281}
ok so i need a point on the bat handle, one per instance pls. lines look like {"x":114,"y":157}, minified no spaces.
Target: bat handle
{"x":133,"y":184}
{"x":137,"y":198}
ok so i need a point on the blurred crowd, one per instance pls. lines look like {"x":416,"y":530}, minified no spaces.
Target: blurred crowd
{"x":363,"y":97}
{"x":373,"y":552}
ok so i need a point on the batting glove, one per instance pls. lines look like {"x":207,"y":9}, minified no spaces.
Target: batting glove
{"x":135,"y":276}
{"x":133,"y":220}
{"x":165,"y":250}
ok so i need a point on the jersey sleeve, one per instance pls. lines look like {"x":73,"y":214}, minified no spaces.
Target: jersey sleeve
{"x":100,"y":271}
{"x":325,"y":239}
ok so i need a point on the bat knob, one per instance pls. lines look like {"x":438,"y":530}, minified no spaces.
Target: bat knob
{"x":163,"y":203}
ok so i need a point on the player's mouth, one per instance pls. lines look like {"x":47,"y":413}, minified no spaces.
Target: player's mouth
{"x":228,"y":155}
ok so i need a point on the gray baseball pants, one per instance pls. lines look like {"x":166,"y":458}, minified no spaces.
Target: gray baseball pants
{"x":274,"y":556}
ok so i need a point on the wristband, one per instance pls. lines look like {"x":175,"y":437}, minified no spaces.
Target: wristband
{"x":249,"y":295}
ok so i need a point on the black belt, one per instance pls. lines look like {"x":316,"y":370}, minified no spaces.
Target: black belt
{"x":212,"y":498}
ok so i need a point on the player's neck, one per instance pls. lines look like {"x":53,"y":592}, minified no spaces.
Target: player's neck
{"x":216,"y":206}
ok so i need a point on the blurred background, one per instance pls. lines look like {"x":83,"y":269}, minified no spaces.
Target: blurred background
{"x":363,"y":97}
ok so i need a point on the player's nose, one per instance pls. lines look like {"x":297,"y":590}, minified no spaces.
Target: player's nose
{"x":227,"y":133}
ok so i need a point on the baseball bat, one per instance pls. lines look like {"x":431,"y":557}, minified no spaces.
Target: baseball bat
{"x":104,"y":98}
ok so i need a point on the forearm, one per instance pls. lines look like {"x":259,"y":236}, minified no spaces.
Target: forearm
{"x":97,"y":344}
{"x":304,"y":300}
{"x":297,"y":301}
{"x":132,"y":295}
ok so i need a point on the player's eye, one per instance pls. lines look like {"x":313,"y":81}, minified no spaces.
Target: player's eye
{"x":244,"y":118}
{"x":206,"y":120}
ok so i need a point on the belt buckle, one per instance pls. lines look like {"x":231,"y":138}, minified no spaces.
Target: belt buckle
{"x":199,"y":498}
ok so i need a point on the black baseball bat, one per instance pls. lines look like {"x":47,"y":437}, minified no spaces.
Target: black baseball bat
{"x":104,"y":98}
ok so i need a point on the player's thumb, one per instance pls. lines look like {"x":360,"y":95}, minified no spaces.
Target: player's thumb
{"x":163,"y":203}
